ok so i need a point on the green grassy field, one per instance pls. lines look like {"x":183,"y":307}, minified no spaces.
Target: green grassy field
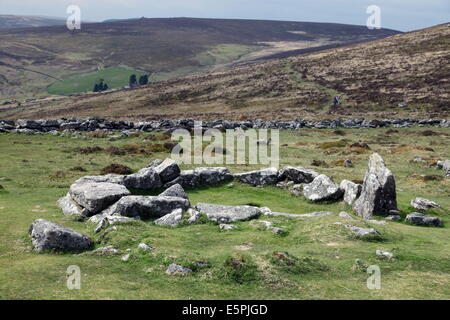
{"x":36,"y":170}
{"x":115,"y":77}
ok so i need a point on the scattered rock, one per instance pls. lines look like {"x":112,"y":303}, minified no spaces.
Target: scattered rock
{"x":394,"y":217}
{"x":172,"y":219}
{"x":421,"y":219}
{"x":48,"y":235}
{"x":362,"y":232}
{"x":226,"y":214}
{"x":145,"y":247}
{"x":193,"y":215}
{"x":418,"y":160}
{"x":112,"y":220}
{"x":346,"y":216}
{"x":297,"y":174}
{"x":96,"y":196}
{"x":268,"y":225}
{"x":104,"y":251}
{"x":351,"y":191}
{"x":386,"y":254}
{"x":226,"y":227}
{"x":125,"y":257}
{"x":424,"y":204}
{"x":175,"y":191}
{"x":175,"y":269}
{"x":378,"y":194}
{"x":168,"y":170}
{"x":322,"y":189}
{"x":107,"y":231}
{"x":68,"y":206}
{"x":101,"y":225}
{"x":262,"y":177}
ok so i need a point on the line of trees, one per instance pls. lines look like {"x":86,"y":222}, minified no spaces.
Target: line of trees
{"x":143,"y":80}
{"x":133,"y":83}
{"x":100,"y":86}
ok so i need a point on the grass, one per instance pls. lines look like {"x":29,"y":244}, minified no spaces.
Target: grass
{"x":224,"y":53}
{"x":321,"y":255}
{"x":115,"y":77}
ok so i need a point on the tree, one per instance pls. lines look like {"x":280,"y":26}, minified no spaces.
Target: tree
{"x":100,"y":86}
{"x":133,"y":81}
{"x":143,"y":80}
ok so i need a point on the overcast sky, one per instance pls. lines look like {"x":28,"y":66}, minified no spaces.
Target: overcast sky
{"x":404,"y":15}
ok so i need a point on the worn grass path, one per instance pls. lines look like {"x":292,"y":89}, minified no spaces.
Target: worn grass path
{"x":35,"y":172}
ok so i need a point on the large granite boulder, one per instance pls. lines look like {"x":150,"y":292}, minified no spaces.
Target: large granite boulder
{"x":172,"y":219}
{"x":322,"y":189}
{"x":69,"y":207}
{"x":227,"y":214}
{"x":421,"y":219}
{"x":351,"y":191}
{"x":213,"y":175}
{"x":175,"y":191}
{"x":378,"y":195}
{"x":187,"y":179}
{"x":424,"y":204}
{"x":146,"y":207}
{"x":168,"y":170}
{"x":96,"y":196}
{"x":47,"y":235}
{"x":297,"y":174}
{"x":259,"y":177}
{"x":145,"y":179}
{"x":109,"y":178}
